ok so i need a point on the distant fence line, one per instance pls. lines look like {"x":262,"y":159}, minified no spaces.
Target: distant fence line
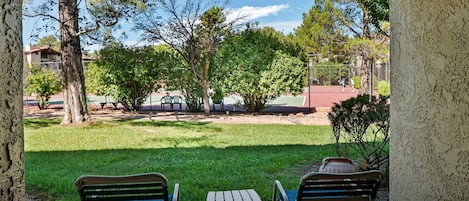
{"x":320,"y":74}
{"x":330,"y":74}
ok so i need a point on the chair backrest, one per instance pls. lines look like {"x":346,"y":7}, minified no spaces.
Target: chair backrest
{"x":218,"y":101}
{"x":166,"y":99}
{"x":177,"y":99}
{"x":345,"y":186}
{"x":130,"y":187}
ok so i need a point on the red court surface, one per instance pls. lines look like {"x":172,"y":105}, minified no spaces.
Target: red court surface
{"x":326,"y":96}
{"x":322,"y":97}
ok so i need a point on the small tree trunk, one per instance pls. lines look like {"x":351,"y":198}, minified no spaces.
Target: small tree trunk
{"x":75,"y":108}
{"x":205,"y":84}
{"x":365,"y":74}
{"x":366,"y":57}
{"x":12,"y":186}
{"x":41,"y":103}
{"x":205,"y":99}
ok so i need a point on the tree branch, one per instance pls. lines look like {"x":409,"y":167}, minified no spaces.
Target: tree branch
{"x":32,"y":15}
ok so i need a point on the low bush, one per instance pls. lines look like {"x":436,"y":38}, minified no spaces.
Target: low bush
{"x":361,"y":126}
{"x":384,"y":88}
{"x":356,"y":80}
{"x":130,"y":73}
{"x":43,"y":83}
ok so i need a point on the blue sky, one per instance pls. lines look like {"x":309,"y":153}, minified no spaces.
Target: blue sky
{"x":283,"y":15}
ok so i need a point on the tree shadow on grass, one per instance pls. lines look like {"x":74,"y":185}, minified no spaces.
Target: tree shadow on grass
{"x":36,"y":123}
{"x":197,"y":170}
{"x":176,"y":124}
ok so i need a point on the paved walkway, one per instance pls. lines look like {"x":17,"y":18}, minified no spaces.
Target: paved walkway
{"x":284,"y":110}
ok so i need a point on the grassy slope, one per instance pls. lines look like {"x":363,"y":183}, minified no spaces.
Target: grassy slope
{"x":199,"y":156}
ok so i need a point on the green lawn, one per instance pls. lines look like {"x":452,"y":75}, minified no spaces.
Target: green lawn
{"x":201,"y":157}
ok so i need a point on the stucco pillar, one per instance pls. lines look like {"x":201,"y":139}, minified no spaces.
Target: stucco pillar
{"x":429,"y":100}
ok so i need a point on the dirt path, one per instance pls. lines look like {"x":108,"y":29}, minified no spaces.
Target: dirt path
{"x":317,"y":118}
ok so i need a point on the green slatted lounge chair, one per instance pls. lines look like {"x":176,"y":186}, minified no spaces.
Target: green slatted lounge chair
{"x":148,"y":187}
{"x":359,"y":186}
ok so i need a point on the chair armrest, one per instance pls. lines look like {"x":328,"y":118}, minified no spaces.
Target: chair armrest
{"x":176,"y":192}
{"x":278,"y":187}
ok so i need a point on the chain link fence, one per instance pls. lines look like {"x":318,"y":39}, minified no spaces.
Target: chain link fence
{"x":330,"y":74}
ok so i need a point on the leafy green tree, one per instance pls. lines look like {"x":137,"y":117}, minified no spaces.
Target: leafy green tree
{"x":97,"y":80}
{"x":192,"y":30}
{"x":259,"y":65}
{"x":43,"y":83}
{"x":379,"y":13}
{"x":73,"y":23}
{"x":131,"y":73}
{"x":349,"y":29}
{"x":319,"y":33}
{"x":50,"y":41}
{"x":176,"y":75}
{"x":363,"y":19}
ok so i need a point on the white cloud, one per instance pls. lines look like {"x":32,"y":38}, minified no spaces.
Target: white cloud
{"x":249,"y":13}
{"x":284,"y":26}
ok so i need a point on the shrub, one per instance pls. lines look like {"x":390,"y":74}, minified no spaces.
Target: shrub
{"x":179,"y":77}
{"x":259,"y":71}
{"x":356,"y":80}
{"x":384,"y":88}
{"x":193,"y":96}
{"x":130,"y":74}
{"x":97,"y":81}
{"x":43,"y":83}
{"x":361,"y":126}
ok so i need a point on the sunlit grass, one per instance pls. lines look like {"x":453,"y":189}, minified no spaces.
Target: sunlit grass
{"x":199,"y":156}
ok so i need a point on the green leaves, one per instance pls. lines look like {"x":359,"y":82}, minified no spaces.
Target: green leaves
{"x":44,"y":83}
{"x":379,"y":12}
{"x":361,"y":126}
{"x":320,"y":33}
{"x":50,"y":41}
{"x":384,"y":88}
{"x":285,"y":75}
{"x":130,"y":74}
{"x":96,"y":80}
{"x":259,"y":65}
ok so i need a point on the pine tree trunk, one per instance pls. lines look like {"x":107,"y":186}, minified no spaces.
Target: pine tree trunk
{"x":12,"y":186}
{"x":365,"y":74}
{"x":75,"y":108}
